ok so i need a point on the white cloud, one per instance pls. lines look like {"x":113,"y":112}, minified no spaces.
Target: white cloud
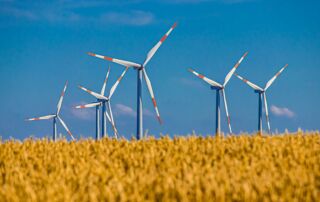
{"x":135,"y":18}
{"x":67,"y":11}
{"x":282,"y":111}
{"x":83,"y":114}
{"x":191,"y":82}
{"x":18,"y":13}
{"x":40,"y":12}
{"x":71,"y":11}
{"x":186,"y":1}
{"x":97,"y":3}
{"x":202,"y":1}
{"x":60,"y":16}
{"x":121,"y":109}
{"x":236,"y":1}
{"x":124,"y":110}
{"x":146,"y":112}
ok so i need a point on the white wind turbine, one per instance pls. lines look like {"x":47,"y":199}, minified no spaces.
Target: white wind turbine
{"x":141,"y":71}
{"x":262,"y":95}
{"x":102,"y":100}
{"x":220,"y":88}
{"x":55,"y":117}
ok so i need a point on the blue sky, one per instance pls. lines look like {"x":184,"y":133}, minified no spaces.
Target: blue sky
{"x":44,"y":43}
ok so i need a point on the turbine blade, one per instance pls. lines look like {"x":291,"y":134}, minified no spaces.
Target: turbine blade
{"x":94,"y":94}
{"x":209,"y":81}
{"x":42,"y":118}
{"x":110,"y":111}
{"x":274,"y":77}
{"x":61,"y":97}
{"x":229,"y":75}
{"x":105,"y":82}
{"x":151,"y":94}
{"x":113,"y":88}
{"x":65,"y":127}
{"x":88,"y":105}
{"x":157,"y":46}
{"x":113,"y":126}
{"x":118,"y":61}
{"x":226,"y":108}
{"x":252,"y":85}
{"x":267,"y":112}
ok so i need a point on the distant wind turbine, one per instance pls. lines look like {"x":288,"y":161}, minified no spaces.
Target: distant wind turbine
{"x":262,"y":95}
{"x":220,"y":88}
{"x":55,"y":117}
{"x":141,"y":71}
{"x":102,"y":100}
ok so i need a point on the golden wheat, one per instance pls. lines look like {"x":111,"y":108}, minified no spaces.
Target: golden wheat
{"x":235,"y":168}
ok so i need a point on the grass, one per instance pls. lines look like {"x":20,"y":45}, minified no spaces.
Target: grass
{"x":234,"y":168}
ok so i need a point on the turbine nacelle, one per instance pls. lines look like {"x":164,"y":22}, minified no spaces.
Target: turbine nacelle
{"x":216,"y":88}
{"x":56,"y":116}
{"x":220,"y":88}
{"x":101,"y":101}
{"x":262,"y":95}
{"x":98,"y":96}
{"x":259,"y":91}
{"x":139,"y":68}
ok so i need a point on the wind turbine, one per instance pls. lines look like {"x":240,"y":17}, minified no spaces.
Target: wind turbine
{"x":262,"y":95}
{"x":56,"y":116}
{"x":141,"y":71}
{"x":102,"y":100}
{"x":220,"y":88}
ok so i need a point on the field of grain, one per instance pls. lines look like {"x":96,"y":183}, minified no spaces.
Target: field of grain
{"x":235,"y":168}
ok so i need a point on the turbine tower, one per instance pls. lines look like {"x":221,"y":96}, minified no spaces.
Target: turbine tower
{"x":262,"y":95}
{"x":141,"y":71}
{"x":219,"y":88}
{"x":103,"y":101}
{"x":55,"y":117}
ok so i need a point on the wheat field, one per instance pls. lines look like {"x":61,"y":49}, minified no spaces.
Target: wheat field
{"x":233,"y":168}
